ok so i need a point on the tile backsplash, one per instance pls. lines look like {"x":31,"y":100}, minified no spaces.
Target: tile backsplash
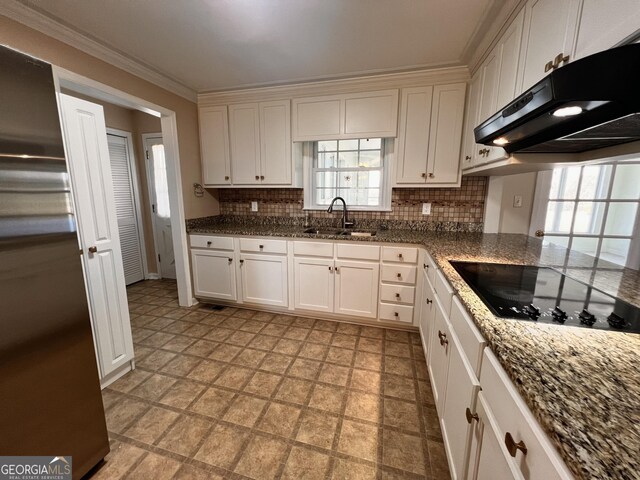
{"x":460,"y":205}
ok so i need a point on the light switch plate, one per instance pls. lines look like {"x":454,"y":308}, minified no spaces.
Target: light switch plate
{"x":254,"y":206}
{"x":426,"y":209}
{"x":517,"y":201}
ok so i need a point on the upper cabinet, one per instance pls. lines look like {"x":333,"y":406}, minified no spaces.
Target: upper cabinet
{"x":354,"y":115}
{"x":429,"y":140}
{"x":250,"y":146}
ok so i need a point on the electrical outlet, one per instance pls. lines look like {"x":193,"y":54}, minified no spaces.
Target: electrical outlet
{"x":426,"y":209}
{"x":517,"y":201}
{"x":254,"y":206}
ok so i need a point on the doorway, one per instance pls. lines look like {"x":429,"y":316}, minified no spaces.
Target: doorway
{"x":159,"y":199}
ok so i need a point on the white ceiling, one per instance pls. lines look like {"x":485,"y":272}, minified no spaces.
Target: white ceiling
{"x":210,"y":45}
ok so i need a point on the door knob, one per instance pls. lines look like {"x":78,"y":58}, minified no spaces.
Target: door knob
{"x":93,"y":249}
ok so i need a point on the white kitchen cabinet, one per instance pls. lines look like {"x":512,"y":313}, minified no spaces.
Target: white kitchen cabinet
{"x":430,"y":131}
{"x":606,"y":23}
{"x":244,"y":132}
{"x":427,"y":312}
{"x":438,"y":359}
{"x":264,"y":279}
{"x":214,"y":274}
{"x":356,"y":288}
{"x":548,"y":38}
{"x":214,"y":145}
{"x":354,"y":115}
{"x":275,"y":143}
{"x":313,"y":283}
{"x":469,"y":145}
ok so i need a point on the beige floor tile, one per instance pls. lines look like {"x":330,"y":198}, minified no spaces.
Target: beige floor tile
{"x":234,"y":377}
{"x":189,"y":472}
{"x":219,"y":334}
{"x":151,"y":425}
{"x":157,"y":339}
{"x":334,"y":375}
{"x":185,"y":435}
{"x":155,"y":466}
{"x":225,"y":353}
{"x":372,"y":332}
{"x":154,"y":387}
{"x":156,"y":360}
{"x":397,"y":336}
{"x":262,"y":458}
{"x":297,"y":333}
{"x":348,"y":470}
{"x":364,"y":406}
{"x":341,"y":356}
{"x":327,"y":398}
{"x":305,"y":464}
{"x":400,"y":414}
{"x":399,"y":387}
{"x":249,"y":358}
{"x":201,"y":348}
{"x":313,"y":351}
{"x":359,"y":440}
{"x":365,"y":380}
{"x":344,"y":341}
{"x":398,"y":366}
{"x":294,"y":390}
{"x":263,"y":342}
{"x":397,"y":349}
{"x":213,"y":403}
{"x":123,"y":413}
{"x":181,"y":365}
{"x":197,"y":330}
{"x":371,"y":345}
{"x":130,"y":381}
{"x":245,"y":411}
{"x":120,"y":459}
{"x":279,"y":419}
{"x":402,"y":451}
{"x":303,"y":322}
{"x":318,"y":336}
{"x":178,"y":344}
{"x":252,"y":326}
{"x":276,"y":363}
{"x":221,"y":446}
{"x":182,"y":393}
{"x":368,"y":361}
{"x":110,"y":398}
{"x":245,"y":314}
{"x":263,"y":316}
{"x":317,"y":429}
{"x":207,"y":371}
{"x":326,"y":325}
{"x":274,"y":329}
{"x":179,"y":327}
{"x":263,"y":384}
{"x":287,"y":346}
{"x":304,"y":368}
{"x":348,"y":329}
{"x":438,"y":460}
{"x":240,"y":338}
{"x":431,"y":422}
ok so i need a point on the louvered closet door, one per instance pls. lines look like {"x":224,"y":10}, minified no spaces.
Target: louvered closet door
{"x":120,"y":157}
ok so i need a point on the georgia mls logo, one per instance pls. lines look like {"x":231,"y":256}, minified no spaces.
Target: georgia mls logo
{"x":35,"y":468}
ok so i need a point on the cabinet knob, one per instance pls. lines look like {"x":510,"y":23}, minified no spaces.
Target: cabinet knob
{"x":337,"y":270}
{"x":548,"y":66}
{"x":424,"y":175}
{"x":431,"y":175}
{"x":261,"y":177}
{"x":399,"y":255}
{"x":443,"y":338}
{"x":226,"y":177}
{"x":396,"y":314}
{"x":399,"y":275}
{"x":93,"y":249}
{"x":467,"y":157}
{"x":331,"y":269}
{"x":261,"y":247}
{"x":257,"y":177}
{"x":429,"y":301}
{"x":513,"y":446}
{"x":241,"y":261}
{"x":398,"y":296}
{"x":208,"y":243}
{"x":560,"y":58}
{"x":471,"y":416}
{"x":230,"y":260}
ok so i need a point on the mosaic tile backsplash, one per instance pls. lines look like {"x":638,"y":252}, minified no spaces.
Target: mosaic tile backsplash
{"x":459,"y":205}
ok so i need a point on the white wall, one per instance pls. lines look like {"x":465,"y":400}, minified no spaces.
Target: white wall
{"x":501,"y":216}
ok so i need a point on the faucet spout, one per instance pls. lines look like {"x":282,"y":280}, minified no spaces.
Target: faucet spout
{"x":345,"y":223}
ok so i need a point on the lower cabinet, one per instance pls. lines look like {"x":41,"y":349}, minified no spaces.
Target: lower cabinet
{"x":438,"y":357}
{"x":313,"y":284}
{"x":214,"y":274}
{"x":427,"y":311}
{"x":264,"y":279}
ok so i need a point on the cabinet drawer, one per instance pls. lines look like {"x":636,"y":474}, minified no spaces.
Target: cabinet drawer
{"x":399,"y":274}
{"x":514,"y":417}
{"x":210,"y":241}
{"x":396,"y":313}
{"x":261,"y":245}
{"x":400,"y":254}
{"x":359,"y":252}
{"x":471,"y":341}
{"x":313,"y":249}
{"x":443,"y":291}
{"x":397,"y":294}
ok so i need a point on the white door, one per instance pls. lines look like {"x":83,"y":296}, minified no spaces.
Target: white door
{"x":313,"y":287}
{"x":127,"y":208}
{"x":214,"y":274}
{"x":160,"y":211}
{"x":90,"y":170}
{"x":244,"y":132}
{"x":275,"y":143}
{"x":264,"y":279}
{"x":357,"y":288}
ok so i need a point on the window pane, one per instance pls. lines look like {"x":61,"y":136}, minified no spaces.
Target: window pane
{"x":370,"y":144}
{"x":562,"y":241}
{"x":324,"y":196}
{"x":615,"y":250}
{"x":370,"y":159}
{"x":328,"y":146}
{"x":348,"y":145}
{"x":326,"y":160}
{"x":626,"y":184}
{"x":569,"y":188}
{"x":348,"y":160}
{"x":555,"y":183}
{"x":588,"y":245}
{"x":160,"y":181}
{"x":589,"y":217}
{"x":325,"y":180}
{"x":621,"y":218}
{"x":368,"y":179}
{"x":559,"y":215}
{"x":595,"y":181}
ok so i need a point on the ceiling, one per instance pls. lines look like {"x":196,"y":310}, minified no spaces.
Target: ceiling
{"x":209,"y":45}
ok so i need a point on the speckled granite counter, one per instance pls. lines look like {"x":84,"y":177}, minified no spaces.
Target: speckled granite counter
{"x":582,"y":385}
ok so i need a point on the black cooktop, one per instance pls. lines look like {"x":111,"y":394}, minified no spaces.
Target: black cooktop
{"x":544,"y":295}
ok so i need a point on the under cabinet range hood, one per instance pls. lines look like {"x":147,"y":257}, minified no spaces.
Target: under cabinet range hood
{"x":589,"y":104}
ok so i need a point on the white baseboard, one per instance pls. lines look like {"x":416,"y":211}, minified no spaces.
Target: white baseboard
{"x":153,"y":276}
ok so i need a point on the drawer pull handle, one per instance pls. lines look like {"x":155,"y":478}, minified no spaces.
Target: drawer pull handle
{"x":398,"y":296}
{"x":443,"y":338}
{"x":513,"y":447}
{"x":260,"y":247}
{"x":399,"y":255}
{"x":548,"y":66}
{"x":429,"y":301}
{"x":471,"y":416}
{"x":399,"y":275}
{"x":396,"y":314}
{"x":208,"y":243}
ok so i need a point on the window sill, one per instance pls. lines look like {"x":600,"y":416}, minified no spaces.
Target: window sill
{"x":338,"y":209}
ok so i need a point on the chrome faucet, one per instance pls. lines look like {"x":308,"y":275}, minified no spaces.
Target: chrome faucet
{"x":345,"y":223}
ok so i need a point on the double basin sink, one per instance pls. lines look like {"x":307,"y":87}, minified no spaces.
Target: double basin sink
{"x":334,"y":231}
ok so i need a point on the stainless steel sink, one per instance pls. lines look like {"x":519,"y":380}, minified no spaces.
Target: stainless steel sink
{"x":333,"y":231}
{"x":359,"y":233}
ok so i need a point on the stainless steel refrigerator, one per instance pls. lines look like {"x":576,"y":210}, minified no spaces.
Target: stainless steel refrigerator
{"x":50,"y":401}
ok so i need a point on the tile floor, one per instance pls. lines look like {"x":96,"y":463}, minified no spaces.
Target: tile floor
{"x":239,"y":394}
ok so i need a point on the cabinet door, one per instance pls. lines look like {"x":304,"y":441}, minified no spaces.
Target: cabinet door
{"x":438,"y":358}
{"x":462,"y":389}
{"x":443,"y":161}
{"x":275,"y":143}
{"x":356,"y":288}
{"x":313,"y":284}
{"x":550,"y":27}
{"x":317,"y":118}
{"x":214,"y":145}
{"x":427,"y":311}
{"x":371,"y":114}
{"x":488,"y":100}
{"x":244,"y":130}
{"x":413,"y":141}
{"x":605,"y":23}
{"x":264,"y":279}
{"x":214,"y":274}
{"x":469,"y":146}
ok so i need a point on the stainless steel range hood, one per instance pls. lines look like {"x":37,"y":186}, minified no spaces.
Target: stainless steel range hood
{"x":589,"y":104}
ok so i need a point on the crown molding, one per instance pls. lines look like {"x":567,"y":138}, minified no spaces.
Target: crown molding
{"x":432,"y":76}
{"x":51,"y":27}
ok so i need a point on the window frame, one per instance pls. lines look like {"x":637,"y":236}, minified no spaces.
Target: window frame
{"x":308,"y":156}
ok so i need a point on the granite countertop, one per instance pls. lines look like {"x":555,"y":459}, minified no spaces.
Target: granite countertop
{"x":582,"y":385}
